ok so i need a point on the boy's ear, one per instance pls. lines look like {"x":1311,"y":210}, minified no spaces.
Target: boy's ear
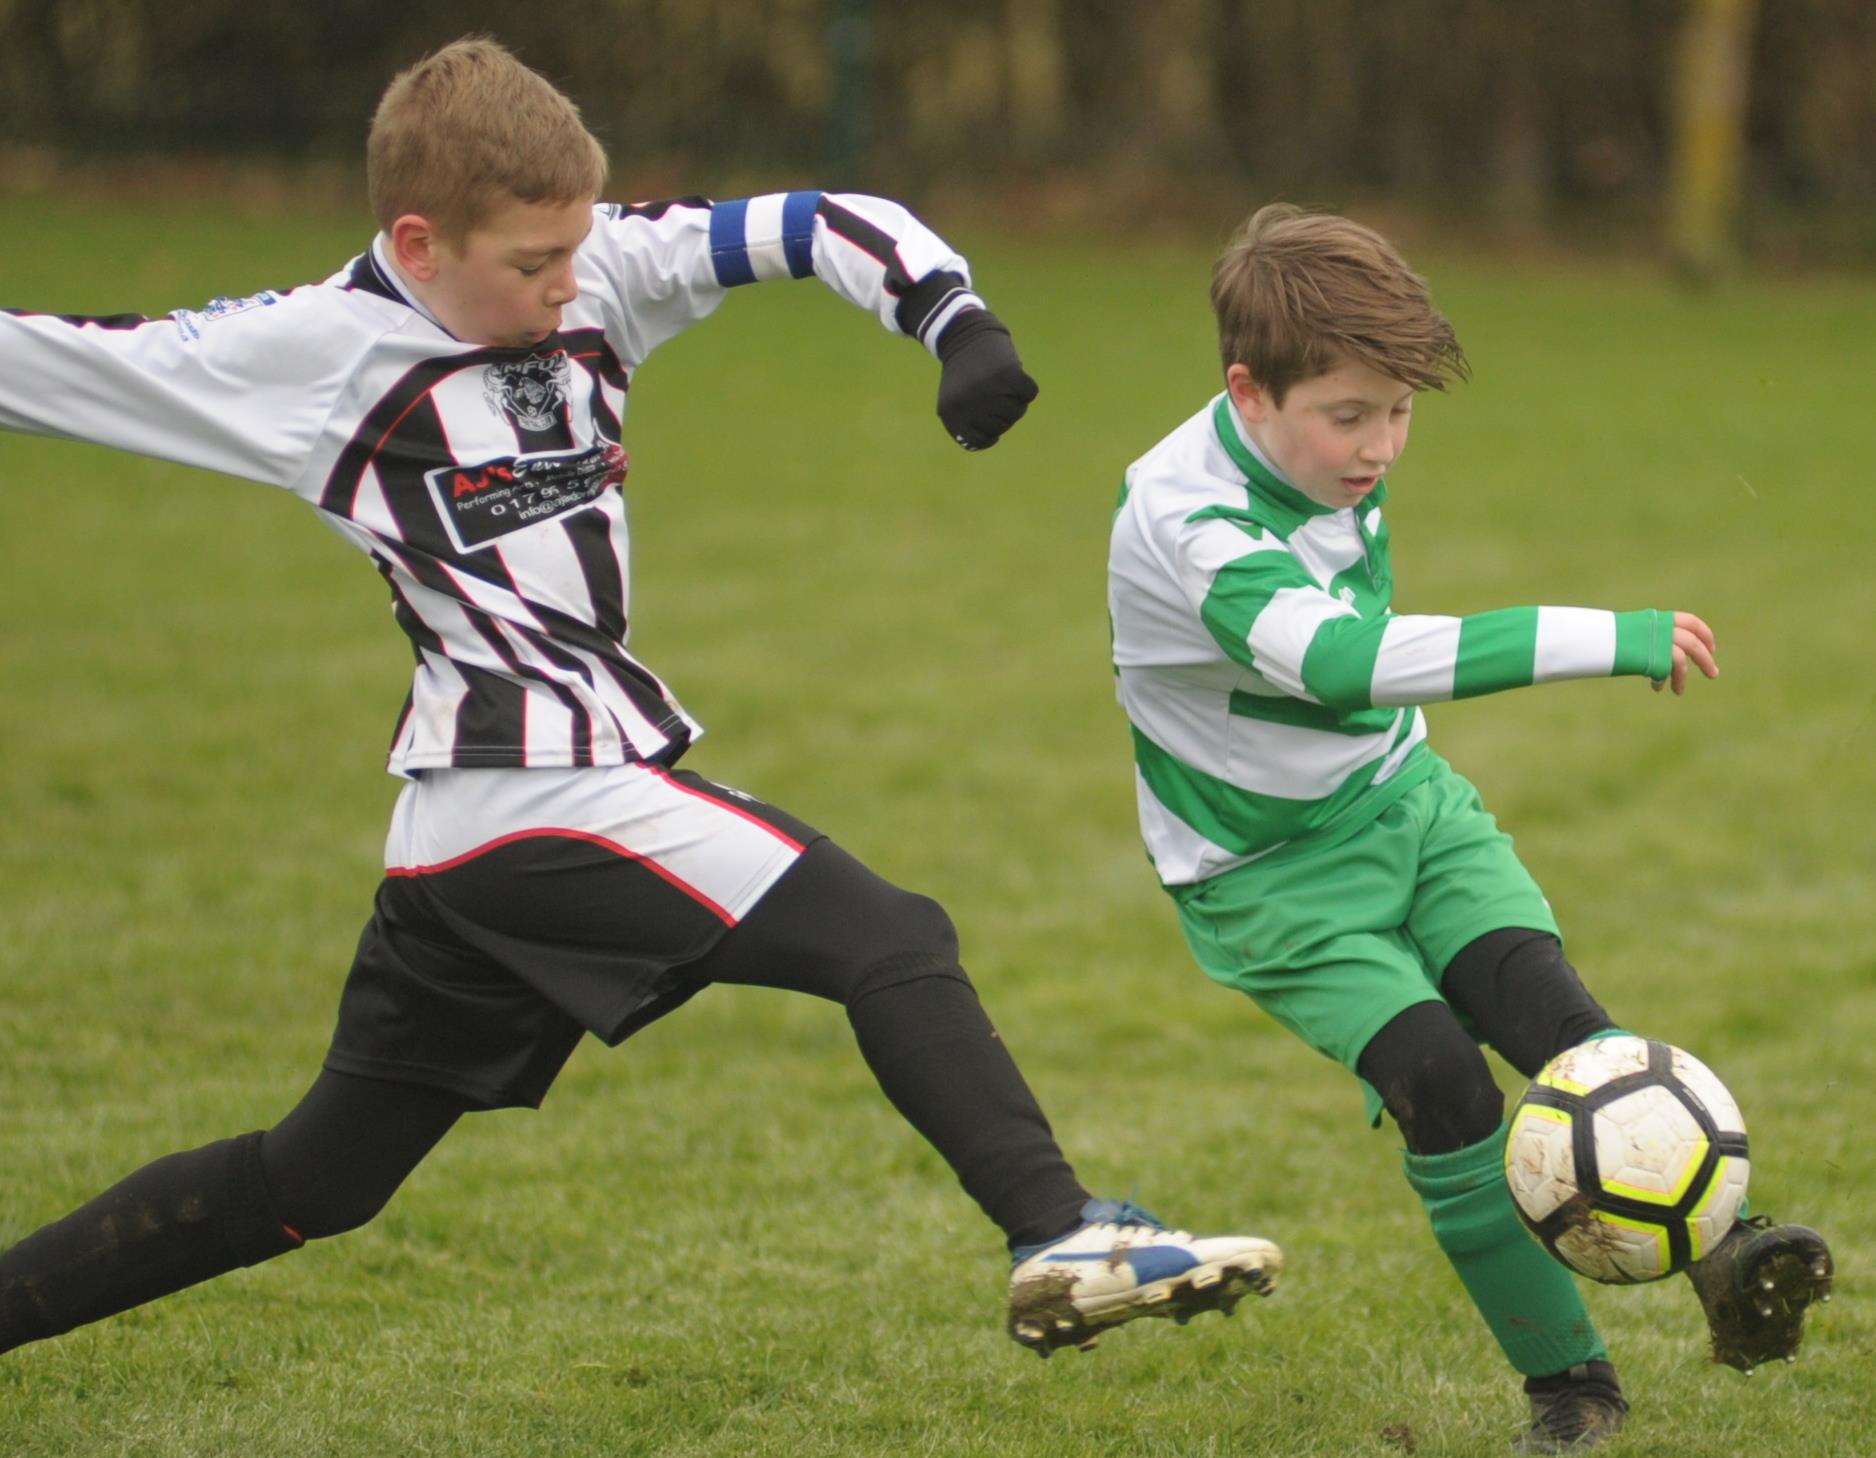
{"x":414,"y":246}
{"x":1252,"y":400}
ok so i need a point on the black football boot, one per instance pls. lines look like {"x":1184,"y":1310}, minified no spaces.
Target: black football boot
{"x":1574,"y":1410}
{"x":1755,"y":1285}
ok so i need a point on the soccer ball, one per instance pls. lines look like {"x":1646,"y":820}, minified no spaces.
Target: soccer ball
{"x":1627,"y":1158}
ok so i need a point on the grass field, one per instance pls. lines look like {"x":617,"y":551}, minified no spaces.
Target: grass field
{"x":719,"y":1239}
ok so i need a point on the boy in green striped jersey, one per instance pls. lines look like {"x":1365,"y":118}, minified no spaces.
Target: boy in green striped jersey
{"x":1323,"y":858}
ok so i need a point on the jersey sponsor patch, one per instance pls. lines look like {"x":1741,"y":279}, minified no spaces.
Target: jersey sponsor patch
{"x":479,"y":504}
{"x":191,"y":321}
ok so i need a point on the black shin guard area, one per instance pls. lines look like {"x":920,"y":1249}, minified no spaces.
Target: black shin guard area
{"x":833,"y":928}
{"x":180,"y":1220}
{"x":1433,"y":1079}
{"x":328,"y":1166}
{"x":1523,"y":996}
{"x":938,"y":1059}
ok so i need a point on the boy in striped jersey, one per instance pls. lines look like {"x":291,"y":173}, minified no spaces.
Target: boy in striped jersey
{"x":451,"y":403}
{"x":1323,"y":858}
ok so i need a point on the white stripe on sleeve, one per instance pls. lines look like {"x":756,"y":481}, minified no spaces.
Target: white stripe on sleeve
{"x":1418,"y":655}
{"x":954,"y":304}
{"x":762,"y":236}
{"x":1573,"y":642}
{"x":1283,"y":631}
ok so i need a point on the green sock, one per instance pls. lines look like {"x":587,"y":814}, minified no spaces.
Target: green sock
{"x":1528,"y":1300}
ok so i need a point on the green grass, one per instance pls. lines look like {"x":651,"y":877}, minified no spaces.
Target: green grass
{"x":719,"y":1240}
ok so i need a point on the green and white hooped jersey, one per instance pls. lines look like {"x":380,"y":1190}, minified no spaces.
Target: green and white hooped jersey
{"x":1273,"y":692}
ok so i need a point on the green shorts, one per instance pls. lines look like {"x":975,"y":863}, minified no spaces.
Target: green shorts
{"x":1335,"y":940}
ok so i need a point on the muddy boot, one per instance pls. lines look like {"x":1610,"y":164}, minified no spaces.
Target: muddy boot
{"x":1121,"y":1263}
{"x":1755,"y":1285}
{"x":1574,"y":1410}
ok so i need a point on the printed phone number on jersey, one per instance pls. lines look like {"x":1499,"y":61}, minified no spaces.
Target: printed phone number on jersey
{"x":481,"y":503}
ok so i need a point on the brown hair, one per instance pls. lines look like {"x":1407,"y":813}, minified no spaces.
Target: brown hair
{"x":465,"y":130}
{"x":1297,"y":292}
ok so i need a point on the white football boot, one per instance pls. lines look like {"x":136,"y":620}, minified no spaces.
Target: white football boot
{"x":1123,"y":1263}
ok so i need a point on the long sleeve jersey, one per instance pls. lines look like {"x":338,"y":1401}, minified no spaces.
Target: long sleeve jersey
{"x":1273,"y":692}
{"x":485,"y":484}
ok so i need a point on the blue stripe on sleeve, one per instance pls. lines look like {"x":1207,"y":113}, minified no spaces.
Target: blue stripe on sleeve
{"x":798,"y":232}
{"x":728,"y":252}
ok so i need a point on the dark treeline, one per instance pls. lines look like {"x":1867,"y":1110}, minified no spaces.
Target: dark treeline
{"x":1476,"y":103}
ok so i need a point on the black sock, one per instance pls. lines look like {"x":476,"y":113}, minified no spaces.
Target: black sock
{"x":938,"y":1059}
{"x":173,"y":1223}
{"x":834,"y":929}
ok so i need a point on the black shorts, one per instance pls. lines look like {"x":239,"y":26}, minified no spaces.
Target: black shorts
{"x":523,"y":908}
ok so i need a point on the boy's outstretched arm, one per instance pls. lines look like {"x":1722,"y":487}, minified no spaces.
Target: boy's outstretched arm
{"x":240,"y":386}
{"x":663,"y":266}
{"x":1269,"y":614}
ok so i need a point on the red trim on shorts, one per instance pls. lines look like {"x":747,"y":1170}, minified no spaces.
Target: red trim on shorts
{"x":664,"y":774}
{"x":545,"y":831}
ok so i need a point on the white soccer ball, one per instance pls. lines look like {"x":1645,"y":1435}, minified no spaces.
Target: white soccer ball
{"x":1627,"y":1159}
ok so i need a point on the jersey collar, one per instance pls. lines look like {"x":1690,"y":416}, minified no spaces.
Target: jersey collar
{"x":1265,"y":481}
{"x":388,"y":274}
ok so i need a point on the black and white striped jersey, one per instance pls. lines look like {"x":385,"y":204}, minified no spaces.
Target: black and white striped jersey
{"x":483,"y":483}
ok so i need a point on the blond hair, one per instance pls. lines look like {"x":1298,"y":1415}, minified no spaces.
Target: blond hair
{"x":468,"y":129}
{"x":1297,"y":293}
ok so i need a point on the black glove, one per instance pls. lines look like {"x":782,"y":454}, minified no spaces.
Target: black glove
{"x":983,"y":389}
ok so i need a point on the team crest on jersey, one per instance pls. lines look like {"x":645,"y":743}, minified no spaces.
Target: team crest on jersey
{"x":528,"y":391}
{"x":482,"y":503}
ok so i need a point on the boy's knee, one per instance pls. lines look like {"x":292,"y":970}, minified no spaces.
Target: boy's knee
{"x":1525,"y":997}
{"x":1456,"y":1105}
{"x":924,"y":926}
{"x":337,"y":1158}
{"x":911,"y":937}
{"x":342,"y":1212}
{"x":864,"y":919}
{"x":1433,"y":1079}
{"x":840,"y":911}
{"x":317,"y":1203}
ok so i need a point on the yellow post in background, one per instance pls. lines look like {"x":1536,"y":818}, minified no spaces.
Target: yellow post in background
{"x":1711,"y":67}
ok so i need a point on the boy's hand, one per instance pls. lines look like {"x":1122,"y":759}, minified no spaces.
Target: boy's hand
{"x":983,"y":389}
{"x":1693,"y":642}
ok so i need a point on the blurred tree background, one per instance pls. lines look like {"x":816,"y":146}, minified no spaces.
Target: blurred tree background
{"x":1701,"y":123}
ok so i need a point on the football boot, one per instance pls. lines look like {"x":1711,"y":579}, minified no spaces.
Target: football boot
{"x":1121,"y":1263}
{"x":1573,"y":1411}
{"x":1755,"y":1285}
